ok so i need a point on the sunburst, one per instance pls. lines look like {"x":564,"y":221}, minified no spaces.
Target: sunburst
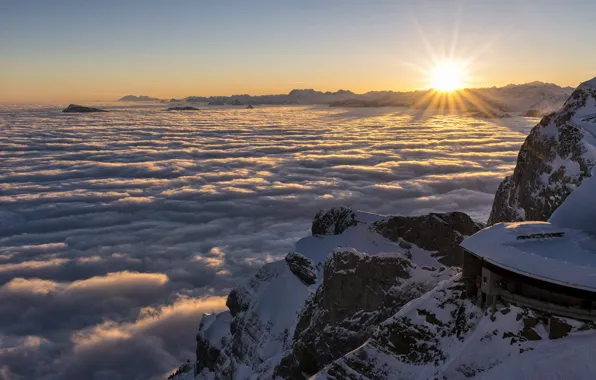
{"x":448,"y":76}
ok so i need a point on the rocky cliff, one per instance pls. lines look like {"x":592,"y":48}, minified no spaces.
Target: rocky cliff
{"x":554,"y":159}
{"x":372,"y":299}
{"x":299,"y":314}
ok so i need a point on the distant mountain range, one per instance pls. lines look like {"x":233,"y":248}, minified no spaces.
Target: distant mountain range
{"x":531,"y":99}
{"x":141,"y":98}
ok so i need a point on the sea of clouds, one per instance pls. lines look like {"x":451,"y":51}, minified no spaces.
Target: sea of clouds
{"x":119,"y":230}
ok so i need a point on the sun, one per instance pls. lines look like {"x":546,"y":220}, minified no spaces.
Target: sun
{"x":447,"y":76}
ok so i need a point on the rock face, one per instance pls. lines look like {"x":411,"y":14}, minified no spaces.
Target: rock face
{"x":358,"y":292}
{"x":554,"y":159}
{"x":299,"y":314}
{"x":77,"y":108}
{"x":439,"y":233}
{"x":183,"y":109}
{"x":250,"y":337}
{"x":302,"y":267}
{"x":442,"y":335}
{"x":333,"y":221}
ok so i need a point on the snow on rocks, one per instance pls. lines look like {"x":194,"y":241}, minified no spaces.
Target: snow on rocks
{"x":443,"y":335}
{"x":579,"y":209}
{"x":331,"y":291}
{"x":378,"y":304}
{"x":333,"y":221}
{"x":555,"y":158}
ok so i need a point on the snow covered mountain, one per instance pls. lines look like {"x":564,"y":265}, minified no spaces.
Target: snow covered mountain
{"x":371,"y":298}
{"x":557,"y":155}
{"x":326,"y":299}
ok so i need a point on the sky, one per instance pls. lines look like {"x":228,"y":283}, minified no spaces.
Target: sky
{"x":66,"y":51}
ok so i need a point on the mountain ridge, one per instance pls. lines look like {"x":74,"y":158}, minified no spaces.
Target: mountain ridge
{"x":492,"y":101}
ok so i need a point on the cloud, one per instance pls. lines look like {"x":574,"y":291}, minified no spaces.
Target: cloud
{"x":148,"y":347}
{"x":115,"y":231}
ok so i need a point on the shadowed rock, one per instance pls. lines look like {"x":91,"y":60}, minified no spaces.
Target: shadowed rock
{"x":441,"y":233}
{"x":356,"y":294}
{"x":302,"y":267}
{"x":333,"y":221}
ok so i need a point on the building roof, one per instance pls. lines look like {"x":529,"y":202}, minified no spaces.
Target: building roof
{"x":540,"y":250}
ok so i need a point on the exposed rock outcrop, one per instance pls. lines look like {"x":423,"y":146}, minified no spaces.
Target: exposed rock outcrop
{"x":301,"y":313}
{"x":333,"y":221}
{"x":75,"y":108}
{"x":554,"y":159}
{"x":214,"y":330}
{"x":442,"y":335}
{"x":302,"y":267}
{"x":438,"y":233}
{"x":358,"y":292}
{"x":256,"y":329}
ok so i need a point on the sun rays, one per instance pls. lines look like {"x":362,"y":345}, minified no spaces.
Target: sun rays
{"x":448,"y":76}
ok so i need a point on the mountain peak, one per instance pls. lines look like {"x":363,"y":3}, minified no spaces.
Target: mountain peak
{"x":555,"y":158}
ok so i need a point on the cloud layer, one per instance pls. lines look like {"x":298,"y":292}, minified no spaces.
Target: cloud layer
{"x":118,"y":230}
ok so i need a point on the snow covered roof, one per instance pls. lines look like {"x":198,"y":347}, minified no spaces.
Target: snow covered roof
{"x":540,"y":250}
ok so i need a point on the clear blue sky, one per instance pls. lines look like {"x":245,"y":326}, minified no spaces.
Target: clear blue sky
{"x":58,"y":50}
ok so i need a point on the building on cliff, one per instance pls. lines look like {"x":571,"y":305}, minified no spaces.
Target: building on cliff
{"x":534,"y":264}
{"x":548,"y":266}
